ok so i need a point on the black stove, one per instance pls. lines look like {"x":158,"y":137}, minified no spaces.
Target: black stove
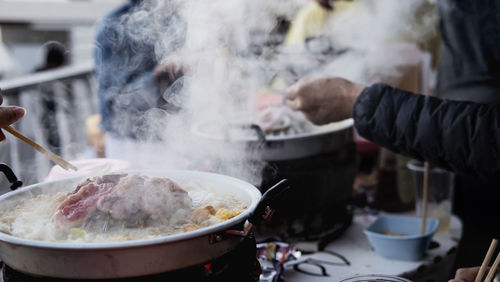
{"x":316,"y":207}
{"x":240,"y":265}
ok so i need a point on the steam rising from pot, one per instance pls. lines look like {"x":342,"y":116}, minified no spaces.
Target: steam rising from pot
{"x":224,"y":72}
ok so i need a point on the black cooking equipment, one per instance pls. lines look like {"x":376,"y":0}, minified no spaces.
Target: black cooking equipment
{"x":137,"y":258}
{"x":320,"y":166}
{"x":318,"y":141}
{"x":263,"y":42}
{"x":11,"y":177}
{"x":275,"y":257}
{"x":240,"y":264}
{"x":316,"y":208}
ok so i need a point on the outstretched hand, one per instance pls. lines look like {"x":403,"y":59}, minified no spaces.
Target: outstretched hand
{"x":467,"y":274}
{"x":9,"y":115}
{"x":324,"y":99}
{"x":168,"y":71}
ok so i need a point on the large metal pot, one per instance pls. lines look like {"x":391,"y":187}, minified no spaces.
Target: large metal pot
{"x":323,"y":139}
{"x":137,"y":257}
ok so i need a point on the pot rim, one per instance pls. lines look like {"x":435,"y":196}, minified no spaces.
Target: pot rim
{"x":418,"y":166}
{"x":253,"y":193}
{"x":319,"y":131}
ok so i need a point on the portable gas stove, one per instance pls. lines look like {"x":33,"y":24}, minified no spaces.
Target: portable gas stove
{"x":315,"y":209}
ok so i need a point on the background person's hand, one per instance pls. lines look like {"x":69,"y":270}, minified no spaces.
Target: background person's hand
{"x":325,"y":4}
{"x":324,"y":99}
{"x":168,"y":71}
{"x":468,"y":274}
{"x":9,"y":115}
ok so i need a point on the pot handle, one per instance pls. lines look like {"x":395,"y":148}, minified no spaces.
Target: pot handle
{"x":260,"y":134}
{"x":264,"y":208}
{"x":254,"y":127}
{"x":10,"y":176}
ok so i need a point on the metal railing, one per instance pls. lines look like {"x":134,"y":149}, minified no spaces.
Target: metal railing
{"x":57,"y":104}
{"x":14,"y":85}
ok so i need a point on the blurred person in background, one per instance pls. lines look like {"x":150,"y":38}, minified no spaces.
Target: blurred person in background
{"x":8,"y":67}
{"x":132,"y":81}
{"x":458,"y":130}
{"x":312,"y":19}
{"x":55,"y":57}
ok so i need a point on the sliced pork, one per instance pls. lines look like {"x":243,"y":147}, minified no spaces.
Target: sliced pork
{"x":81,"y":203}
{"x":130,"y":200}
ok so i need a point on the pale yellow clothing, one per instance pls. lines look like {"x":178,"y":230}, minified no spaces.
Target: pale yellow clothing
{"x":311,"y":20}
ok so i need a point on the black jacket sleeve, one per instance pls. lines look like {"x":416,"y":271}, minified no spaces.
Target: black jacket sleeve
{"x":460,"y":136}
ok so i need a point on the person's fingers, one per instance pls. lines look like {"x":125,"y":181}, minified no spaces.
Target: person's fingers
{"x":1,"y":97}
{"x":317,"y":116}
{"x":466,"y":274}
{"x":10,"y":114}
{"x":173,"y":70}
{"x":301,"y":103}
{"x":179,"y":68}
{"x":292,"y":91}
{"x":186,"y":69}
{"x":294,"y":104}
{"x":157,"y":70}
{"x":168,"y":72}
{"x":298,"y":88}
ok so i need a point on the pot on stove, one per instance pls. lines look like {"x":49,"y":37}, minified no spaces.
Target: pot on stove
{"x":321,"y":140}
{"x":320,"y":166}
{"x":137,"y":257}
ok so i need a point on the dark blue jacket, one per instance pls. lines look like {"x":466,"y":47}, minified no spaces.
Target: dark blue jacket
{"x":124,"y":60}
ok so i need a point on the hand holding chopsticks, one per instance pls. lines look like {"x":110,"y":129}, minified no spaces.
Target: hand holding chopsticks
{"x":486,"y":262}
{"x":9,"y":115}
{"x":55,"y":158}
{"x":476,"y":274}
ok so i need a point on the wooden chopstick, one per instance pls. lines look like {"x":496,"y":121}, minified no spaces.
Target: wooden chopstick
{"x":493,"y":269}
{"x":55,"y":158}
{"x":425,"y":193}
{"x":486,"y":260}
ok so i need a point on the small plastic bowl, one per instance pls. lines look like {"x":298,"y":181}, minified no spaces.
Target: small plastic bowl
{"x":398,"y":237}
{"x":375,"y":278}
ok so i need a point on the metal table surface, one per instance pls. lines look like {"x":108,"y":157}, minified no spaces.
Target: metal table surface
{"x":355,"y":248}
{"x":436,"y":265}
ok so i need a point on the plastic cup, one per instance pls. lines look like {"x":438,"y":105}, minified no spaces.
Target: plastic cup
{"x":440,"y":193}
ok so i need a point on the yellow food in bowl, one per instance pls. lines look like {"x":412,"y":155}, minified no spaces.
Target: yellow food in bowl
{"x":390,"y":233}
{"x":226,"y":214}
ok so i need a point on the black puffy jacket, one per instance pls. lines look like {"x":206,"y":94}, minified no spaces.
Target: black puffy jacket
{"x":461,"y":136}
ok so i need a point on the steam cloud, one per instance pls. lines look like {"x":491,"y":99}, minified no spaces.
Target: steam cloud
{"x":224,"y":70}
